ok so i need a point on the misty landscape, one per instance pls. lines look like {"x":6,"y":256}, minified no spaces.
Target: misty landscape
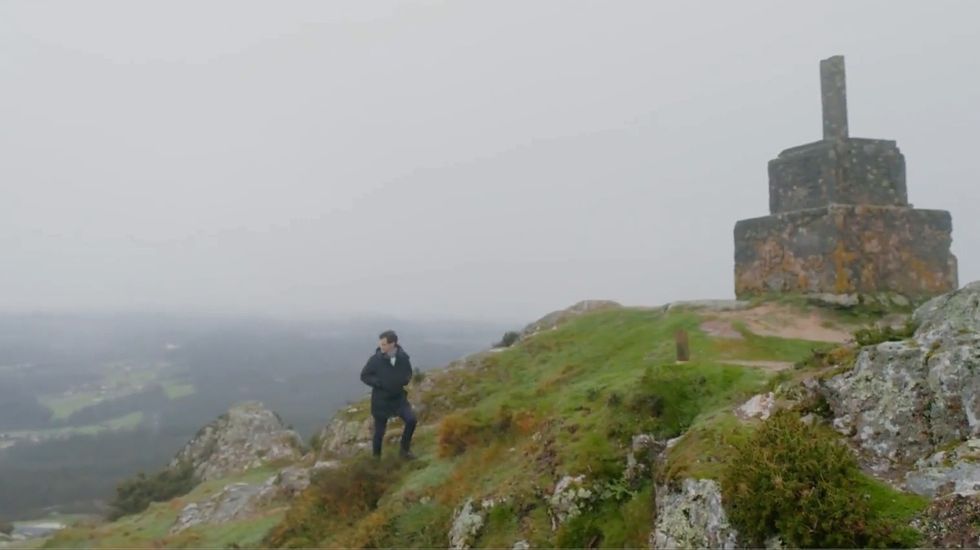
{"x":89,"y":400}
{"x":645,"y":258}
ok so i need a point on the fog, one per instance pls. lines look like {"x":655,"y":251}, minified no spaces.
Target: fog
{"x":493,"y":160}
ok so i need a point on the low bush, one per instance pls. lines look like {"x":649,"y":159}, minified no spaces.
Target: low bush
{"x":799,"y":482}
{"x":135,"y":495}
{"x":336,"y":498}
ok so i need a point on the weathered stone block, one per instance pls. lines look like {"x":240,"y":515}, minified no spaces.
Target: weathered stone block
{"x":848,"y":171}
{"x":844,"y":249}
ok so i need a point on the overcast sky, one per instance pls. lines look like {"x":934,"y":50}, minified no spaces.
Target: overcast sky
{"x":489,"y":160}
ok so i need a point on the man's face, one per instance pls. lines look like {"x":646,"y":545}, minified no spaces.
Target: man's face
{"x":385,"y":346}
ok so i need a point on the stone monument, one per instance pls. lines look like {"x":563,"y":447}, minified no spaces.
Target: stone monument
{"x":840,"y":221}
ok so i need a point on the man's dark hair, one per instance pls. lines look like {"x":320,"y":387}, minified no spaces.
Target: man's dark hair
{"x":389,"y":336}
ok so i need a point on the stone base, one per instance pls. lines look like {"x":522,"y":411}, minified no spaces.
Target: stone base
{"x":843,"y":249}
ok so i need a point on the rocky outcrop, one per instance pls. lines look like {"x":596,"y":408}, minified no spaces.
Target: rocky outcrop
{"x":557,"y":318}
{"x":952,"y":471}
{"x":468,"y":521}
{"x":571,"y":497}
{"x":759,"y":406}
{"x":903,"y":401}
{"x":241,"y":500}
{"x":247,"y":436}
{"x":952,"y":522}
{"x":692,"y":517}
{"x":345,"y":436}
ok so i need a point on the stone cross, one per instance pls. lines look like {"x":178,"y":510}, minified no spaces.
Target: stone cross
{"x":833,"y":97}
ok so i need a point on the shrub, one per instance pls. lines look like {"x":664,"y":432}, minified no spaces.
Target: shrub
{"x":135,"y":494}
{"x":581,"y":531}
{"x":508,"y":340}
{"x":336,"y":498}
{"x":456,"y":433}
{"x":418,"y":376}
{"x":799,"y":482}
{"x":6,"y":528}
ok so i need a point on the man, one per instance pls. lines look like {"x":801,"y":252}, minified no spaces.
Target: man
{"x":387,"y":372}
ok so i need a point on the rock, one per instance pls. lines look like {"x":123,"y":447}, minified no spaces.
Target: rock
{"x":467,"y":523}
{"x":904,"y":400}
{"x":646,"y":447}
{"x":521,"y":545}
{"x":949,"y":316}
{"x":344,"y":438}
{"x":247,"y":436}
{"x":235,"y":501}
{"x":556,"y":318}
{"x":239,"y":500}
{"x":952,"y":522}
{"x":761,"y":405}
{"x":326,"y":465}
{"x":286,"y":484}
{"x":692,"y":517}
{"x":570,"y":498}
{"x":960,"y":478}
{"x":952,"y":471}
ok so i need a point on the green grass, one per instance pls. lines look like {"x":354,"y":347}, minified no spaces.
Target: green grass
{"x":570,"y":400}
{"x":176,"y":390}
{"x":63,"y":406}
{"x":149,"y":528}
{"x":124,"y":422}
{"x":566,"y":401}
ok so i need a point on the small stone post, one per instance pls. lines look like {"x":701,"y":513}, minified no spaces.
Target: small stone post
{"x":683,"y":350}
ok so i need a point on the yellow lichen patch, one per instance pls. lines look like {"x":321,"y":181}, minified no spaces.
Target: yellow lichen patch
{"x":842,"y":257}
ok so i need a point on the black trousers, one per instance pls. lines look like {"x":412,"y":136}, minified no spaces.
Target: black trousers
{"x":404,"y":412}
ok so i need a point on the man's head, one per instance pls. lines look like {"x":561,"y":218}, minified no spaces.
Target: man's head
{"x":387,"y":341}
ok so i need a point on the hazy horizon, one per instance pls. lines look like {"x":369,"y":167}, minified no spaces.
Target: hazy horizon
{"x":430,"y":160}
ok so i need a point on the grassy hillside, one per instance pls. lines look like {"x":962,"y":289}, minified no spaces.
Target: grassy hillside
{"x":501,"y":432}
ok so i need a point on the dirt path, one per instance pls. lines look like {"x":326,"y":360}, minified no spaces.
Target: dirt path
{"x":777,"y":320}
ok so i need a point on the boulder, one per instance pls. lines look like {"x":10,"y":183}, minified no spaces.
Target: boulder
{"x":692,"y":517}
{"x":247,"y":436}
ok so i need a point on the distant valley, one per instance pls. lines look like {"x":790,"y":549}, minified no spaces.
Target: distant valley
{"x":86,"y":401}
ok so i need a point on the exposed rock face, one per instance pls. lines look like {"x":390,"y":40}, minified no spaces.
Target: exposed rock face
{"x":468,"y":521}
{"x":904,"y":400}
{"x":343,"y":438}
{"x":240,"y":500}
{"x":570,"y":499}
{"x":761,"y":406}
{"x":247,"y":436}
{"x":641,"y":456}
{"x":692,"y":517}
{"x":235,"y":501}
{"x":556,"y":318}
{"x":952,"y":471}
{"x":466,"y":526}
{"x":953,"y":522}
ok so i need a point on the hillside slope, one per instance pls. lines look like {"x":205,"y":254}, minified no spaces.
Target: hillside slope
{"x":586,"y":432}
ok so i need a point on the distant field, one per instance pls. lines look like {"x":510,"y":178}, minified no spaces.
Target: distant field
{"x":128,"y":421}
{"x":120,"y":380}
{"x":63,"y":406}
{"x":176,"y":390}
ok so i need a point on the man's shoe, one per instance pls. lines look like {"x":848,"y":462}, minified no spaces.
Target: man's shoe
{"x":407,"y":455}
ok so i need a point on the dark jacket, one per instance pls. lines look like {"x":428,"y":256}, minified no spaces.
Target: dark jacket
{"x":387,"y":381}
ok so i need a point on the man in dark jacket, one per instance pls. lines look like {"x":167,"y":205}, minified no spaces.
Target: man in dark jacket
{"x":387,"y":372}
